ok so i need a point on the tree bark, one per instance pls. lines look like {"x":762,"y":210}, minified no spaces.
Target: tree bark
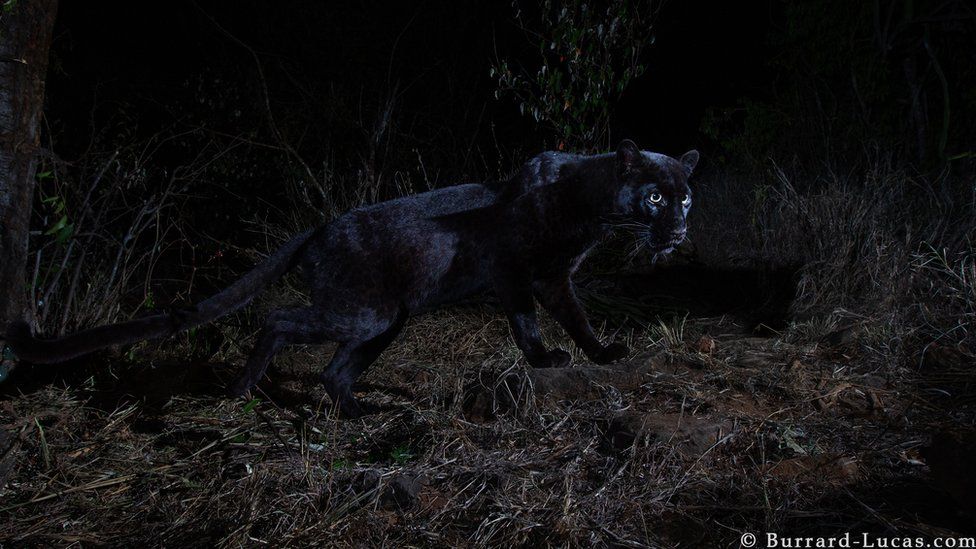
{"x":26,"y":28}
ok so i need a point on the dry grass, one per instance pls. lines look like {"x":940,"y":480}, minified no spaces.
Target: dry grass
{"x":755,"y":435}
{"x":878,"y":248}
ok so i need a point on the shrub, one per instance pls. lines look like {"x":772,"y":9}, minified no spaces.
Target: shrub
{"x":588,"y":56}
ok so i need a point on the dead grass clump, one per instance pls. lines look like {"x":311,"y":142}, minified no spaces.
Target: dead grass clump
{"x":946,"y":287}
{"x":885,"y":251}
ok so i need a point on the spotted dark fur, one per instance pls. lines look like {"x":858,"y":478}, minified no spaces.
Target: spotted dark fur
{"x":373,"y":267}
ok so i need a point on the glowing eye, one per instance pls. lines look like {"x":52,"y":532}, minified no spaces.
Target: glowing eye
{"x":687,"y":201}
{"x":655,"y":198}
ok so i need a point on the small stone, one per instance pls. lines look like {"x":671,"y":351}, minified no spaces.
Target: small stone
{"x":690,"y":435}
{"x":402,"y":492}
{"x":706,"y":345}
{"x":477,"y":404}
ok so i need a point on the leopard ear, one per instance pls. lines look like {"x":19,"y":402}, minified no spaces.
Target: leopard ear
{"x":689,"y":160}
{"x":628,"y":157}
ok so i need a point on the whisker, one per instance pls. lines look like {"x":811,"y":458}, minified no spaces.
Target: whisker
{"x":638,"y":246}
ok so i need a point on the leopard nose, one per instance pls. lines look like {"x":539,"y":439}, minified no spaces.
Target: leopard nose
{"x":679,"y":234}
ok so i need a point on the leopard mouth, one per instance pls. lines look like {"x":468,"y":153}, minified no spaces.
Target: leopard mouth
{"x":647,"y":240}
{"x":666,"y":247}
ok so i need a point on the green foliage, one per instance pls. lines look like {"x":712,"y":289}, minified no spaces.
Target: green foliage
{"x":61,"y":230}
{"x":793,"y":438}
{"x":588,"y":57}
{"x":251,"y":405}
{"x":401,"y":454}
{"x":149,"y":302}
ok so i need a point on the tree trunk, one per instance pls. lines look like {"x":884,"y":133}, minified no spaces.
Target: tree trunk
{"x":26,"y":27}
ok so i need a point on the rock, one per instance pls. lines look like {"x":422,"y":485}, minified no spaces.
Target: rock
{"x":942,"y":357}
{"x":825,"y":469}
{"x":588,"y":382}
{"x":692,"y":435}
{"x":621,"y":434}
{"x":706,"y":345}
{"x":842,"y":337}
{"x":400,"y":492}
{"x":477,"y":403}
{"x":367,"y":481}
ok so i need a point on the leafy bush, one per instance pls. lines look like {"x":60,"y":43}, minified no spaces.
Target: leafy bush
{"x":588,"y":56}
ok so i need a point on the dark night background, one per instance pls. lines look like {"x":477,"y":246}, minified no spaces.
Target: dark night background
{"x":821,"y":319}
{"x":128,"y":71}
{"x":331,"y":64}
{"x":266,"y":111}
{"x":740,"y":82}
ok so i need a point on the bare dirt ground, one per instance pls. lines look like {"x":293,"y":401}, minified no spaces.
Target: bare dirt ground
{"x":706,"y":432}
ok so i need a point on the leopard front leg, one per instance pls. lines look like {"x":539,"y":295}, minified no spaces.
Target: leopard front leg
{"x":558,"y":296}
{"x":515,"y":293}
